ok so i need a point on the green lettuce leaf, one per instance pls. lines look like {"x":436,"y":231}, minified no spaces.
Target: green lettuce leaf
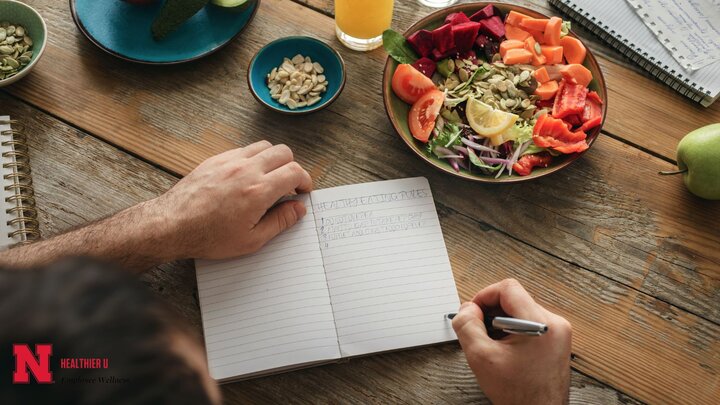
{"x":397,"y":47}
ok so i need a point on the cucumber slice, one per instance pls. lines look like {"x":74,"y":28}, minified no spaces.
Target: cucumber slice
{"x":229,"y":3}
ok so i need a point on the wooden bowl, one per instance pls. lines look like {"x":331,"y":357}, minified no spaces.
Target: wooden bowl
{"x":397,"y":110}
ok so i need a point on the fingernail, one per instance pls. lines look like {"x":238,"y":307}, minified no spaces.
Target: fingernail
{"x":299,"y":209}
{"x":464,"y":304}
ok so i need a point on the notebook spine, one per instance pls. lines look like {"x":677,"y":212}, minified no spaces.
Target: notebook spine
{"x":19,"y":189}
{"x":676,"y":80}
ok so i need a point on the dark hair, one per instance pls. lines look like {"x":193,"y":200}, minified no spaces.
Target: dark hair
{"x":88,"y":309}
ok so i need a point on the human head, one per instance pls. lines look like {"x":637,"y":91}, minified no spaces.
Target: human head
{"x":89,"y":309}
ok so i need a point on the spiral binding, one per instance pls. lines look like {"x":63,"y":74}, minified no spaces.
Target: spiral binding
{"x":17,"y":163}
{"x":676,"y":80}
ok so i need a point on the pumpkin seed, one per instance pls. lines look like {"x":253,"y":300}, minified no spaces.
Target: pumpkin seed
{"x":463,"y":74}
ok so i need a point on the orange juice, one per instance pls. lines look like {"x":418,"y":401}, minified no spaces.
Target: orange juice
{"x":360,"y":23}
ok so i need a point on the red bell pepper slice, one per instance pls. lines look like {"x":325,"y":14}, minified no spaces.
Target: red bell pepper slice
{"x":550,"y":132}
{"x":525,"y":164}
{"x":592,"y":113}
{"x":592,"y":95}
{"x":569,"y":99}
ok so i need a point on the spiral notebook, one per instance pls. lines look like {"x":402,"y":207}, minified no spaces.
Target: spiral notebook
{"x":365,"y":271}
{"x":617,"y":23}
{"x":20,"y":224}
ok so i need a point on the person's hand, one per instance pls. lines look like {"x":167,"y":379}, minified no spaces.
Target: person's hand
{"x":515,"y":369}
{"x":224,"y":208}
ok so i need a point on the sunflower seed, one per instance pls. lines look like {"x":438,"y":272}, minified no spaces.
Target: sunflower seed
{"x":296,"y":81}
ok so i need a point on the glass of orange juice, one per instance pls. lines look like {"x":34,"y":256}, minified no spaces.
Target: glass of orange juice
{"x":359,"y":24}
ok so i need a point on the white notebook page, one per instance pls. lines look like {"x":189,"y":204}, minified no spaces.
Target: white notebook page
{"x":619,"y":17}
{"x":270,"y":309}
{"x":386,"y":265}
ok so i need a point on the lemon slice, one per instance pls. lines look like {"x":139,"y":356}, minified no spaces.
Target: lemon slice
{"x":487,"y":121}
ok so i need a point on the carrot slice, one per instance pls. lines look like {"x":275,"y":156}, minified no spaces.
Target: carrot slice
{"x":573,"y":49}
{"x":514,"y":18}
{"x":512,"y":32}
{"x":577,"y":74}
{"x":510,"y":44}
{"x":515,"y":56}
{"x":547,"y":90}
{"x":554,"y":54}
{"x":538,"y":35}
{"x":553,"y":30}
{"x":541,"y":75}
{"x":537,"y":24}
{"x":538,"y":59}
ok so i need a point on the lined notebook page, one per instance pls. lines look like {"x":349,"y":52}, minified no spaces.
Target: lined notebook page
{"x":386,"y":265}
{"x":619,"y":19}
{"x":270,"y":309}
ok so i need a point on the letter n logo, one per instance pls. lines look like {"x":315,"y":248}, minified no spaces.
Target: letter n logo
{"x":38,"y":363}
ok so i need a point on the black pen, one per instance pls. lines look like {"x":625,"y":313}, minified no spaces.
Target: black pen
{"x":512,"y":325}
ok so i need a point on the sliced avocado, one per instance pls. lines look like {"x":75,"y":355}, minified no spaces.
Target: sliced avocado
{"x":173,"y":14}
{"x":228,"y":3}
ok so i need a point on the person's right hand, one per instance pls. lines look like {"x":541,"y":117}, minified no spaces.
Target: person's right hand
{"x":224,"y":208}
{"x":515,"y":369}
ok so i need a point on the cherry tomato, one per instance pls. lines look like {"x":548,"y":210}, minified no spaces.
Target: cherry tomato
{"x":423,"y":113}
{"x":410,"y":84}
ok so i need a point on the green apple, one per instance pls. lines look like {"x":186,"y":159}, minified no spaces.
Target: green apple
{"x":698,"y":159}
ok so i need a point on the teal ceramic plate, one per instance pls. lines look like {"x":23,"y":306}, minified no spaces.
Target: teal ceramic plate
{"x":123,"y":30}
{"x":272,"y":54}
{"x":397,"y":110}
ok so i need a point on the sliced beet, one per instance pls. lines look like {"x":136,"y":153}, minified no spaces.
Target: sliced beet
{"x":488,"y":46}
{"x":487,"y":12}
{"x":456,"y":18}
{"x":443,"y":38}
{"x":482,"y":40}
{"x":437,"y":55}
{"x":422,"y":42}
{"x":464,"y":35}
{"x":493,"y":27}
{"x":425,"y":65}
{"x":469,"y":55}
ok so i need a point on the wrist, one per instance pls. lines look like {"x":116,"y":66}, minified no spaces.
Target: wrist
{"x":155,"y":232}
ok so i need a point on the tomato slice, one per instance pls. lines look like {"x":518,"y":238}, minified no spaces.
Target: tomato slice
{"x":410,"y":84}
{"x":422,"y":115}
{"x":592,"y":115}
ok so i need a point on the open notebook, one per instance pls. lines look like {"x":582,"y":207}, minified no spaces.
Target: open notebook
{"x":365,"y":271}
{"x":617,"y":23}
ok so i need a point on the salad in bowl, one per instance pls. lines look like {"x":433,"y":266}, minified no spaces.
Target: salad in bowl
{"x":493,"y":92}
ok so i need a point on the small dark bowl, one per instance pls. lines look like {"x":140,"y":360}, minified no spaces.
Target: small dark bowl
{"x":397,"y":110}
{"x":271,"y":56}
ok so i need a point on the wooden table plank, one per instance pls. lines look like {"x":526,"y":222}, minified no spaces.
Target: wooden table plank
{"x":641,"y":110}
{"x":79,"y":179}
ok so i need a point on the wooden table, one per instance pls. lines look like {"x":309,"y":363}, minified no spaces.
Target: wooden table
{"x":629,"y":257}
